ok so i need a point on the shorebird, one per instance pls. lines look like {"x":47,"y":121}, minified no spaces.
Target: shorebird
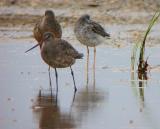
{"x":58,"y":53}
{"x":48,"y":23}
{"x":91,"y":34}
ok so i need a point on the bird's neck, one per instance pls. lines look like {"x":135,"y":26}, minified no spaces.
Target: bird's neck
{"x":49,"y":17}
{"x":82,"y":23}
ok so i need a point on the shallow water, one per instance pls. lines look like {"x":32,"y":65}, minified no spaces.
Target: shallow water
{"x":116,"y":101}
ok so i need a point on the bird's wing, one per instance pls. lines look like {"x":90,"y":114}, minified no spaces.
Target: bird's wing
{"x":69,"y":50}
{"x":97,"y":28}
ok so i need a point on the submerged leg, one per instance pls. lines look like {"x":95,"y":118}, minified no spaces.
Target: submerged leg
{"x":56,"y":74}
{"x":50,"y":81}
{"x":87,"y":65}
{"x":40,"y":94}
{"x":94,"y":66}
{"x":75,"y":88}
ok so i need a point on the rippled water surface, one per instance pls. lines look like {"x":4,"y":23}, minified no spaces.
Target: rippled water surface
{"x":116,"y":101}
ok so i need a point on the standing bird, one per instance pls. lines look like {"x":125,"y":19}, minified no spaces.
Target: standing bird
{"x":48,"y":23}
{"x":91,"y":34}
{"x":58,"y":53}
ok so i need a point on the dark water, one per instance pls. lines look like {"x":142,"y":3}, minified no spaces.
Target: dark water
{"x":116,"y":101}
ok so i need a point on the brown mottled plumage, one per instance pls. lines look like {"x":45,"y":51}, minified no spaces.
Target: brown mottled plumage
{"x":58,"y":53}
{"x":48,"y":23}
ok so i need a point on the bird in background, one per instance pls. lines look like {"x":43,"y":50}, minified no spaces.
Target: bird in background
{"x":58,"y":53}
{"x":47,"y":23}
{"x":90,"y":34}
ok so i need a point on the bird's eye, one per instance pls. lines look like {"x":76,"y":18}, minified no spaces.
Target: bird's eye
{"x":48,"y":36}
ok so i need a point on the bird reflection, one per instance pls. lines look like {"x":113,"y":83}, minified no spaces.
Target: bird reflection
{"x":49,"y":115}
{"x":87,"y":101}
{"x":89,"y":97}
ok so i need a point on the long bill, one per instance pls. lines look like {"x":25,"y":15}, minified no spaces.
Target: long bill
{"x":32,"y":48}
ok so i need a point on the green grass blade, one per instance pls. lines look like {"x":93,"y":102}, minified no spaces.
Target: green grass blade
{"x":152,"y":22}
{"x":139,"y":48}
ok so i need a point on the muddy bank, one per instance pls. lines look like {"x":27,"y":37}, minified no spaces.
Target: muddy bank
{"x":27,"y":12}
{"x":16,"y":19}
{"x":105,"y":4}
{"x":126,"y":24}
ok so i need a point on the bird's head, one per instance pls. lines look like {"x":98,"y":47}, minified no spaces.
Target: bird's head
{"x":48,"y":36}
{"x":84,"y":18}
{"x":49,"y":13}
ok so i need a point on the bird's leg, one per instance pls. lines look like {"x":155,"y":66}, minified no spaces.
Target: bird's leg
{"x":87,"y":64}
{"x":56,"y":98}
{"x":75,"y":88}
{"x":94,"y":66}
{"x":40,"y":94}
{"x":56,"y":74}
{"x":74,"y":95}
{"x":50,"y":81}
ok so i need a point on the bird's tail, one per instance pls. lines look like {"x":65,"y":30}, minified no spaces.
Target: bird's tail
{"x":107,"y":35}
{"x":79,"y":56}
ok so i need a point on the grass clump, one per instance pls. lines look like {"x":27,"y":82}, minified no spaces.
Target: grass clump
{"x":138,"y":51}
